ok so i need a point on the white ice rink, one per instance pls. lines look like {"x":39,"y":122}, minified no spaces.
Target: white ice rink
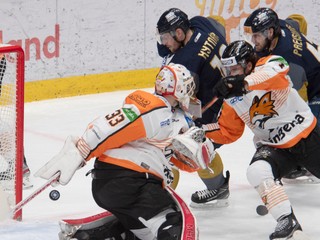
{"x":48,"y":123}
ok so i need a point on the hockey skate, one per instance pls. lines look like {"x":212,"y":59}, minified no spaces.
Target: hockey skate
{"x":26,"y":176}
{"x":214,"y":198}
{"x":288,"y":228}
{"x":300,"y":176}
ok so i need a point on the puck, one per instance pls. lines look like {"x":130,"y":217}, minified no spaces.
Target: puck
{"x":262,"y":210}
{"x":54,"y":195}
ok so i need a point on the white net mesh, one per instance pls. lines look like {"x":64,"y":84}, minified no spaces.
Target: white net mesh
{"x":8,"y":124}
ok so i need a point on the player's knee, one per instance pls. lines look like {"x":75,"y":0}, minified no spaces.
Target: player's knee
{"x":258,"y":171}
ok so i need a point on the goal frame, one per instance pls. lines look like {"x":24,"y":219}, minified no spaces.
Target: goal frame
{"x":20,"y":70}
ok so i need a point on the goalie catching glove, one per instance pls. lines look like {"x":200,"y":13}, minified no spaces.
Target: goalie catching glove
{"x":193,"y":148}
{"x":67,"y":161}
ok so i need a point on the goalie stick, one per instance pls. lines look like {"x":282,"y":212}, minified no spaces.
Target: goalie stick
{"x":21,"y":204}
{"x":189,"y":228}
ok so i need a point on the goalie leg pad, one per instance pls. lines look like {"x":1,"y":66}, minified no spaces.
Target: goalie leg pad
{"x":100,"y":226}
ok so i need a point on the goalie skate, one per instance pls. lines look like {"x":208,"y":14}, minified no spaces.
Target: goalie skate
{"x":26,"y":183}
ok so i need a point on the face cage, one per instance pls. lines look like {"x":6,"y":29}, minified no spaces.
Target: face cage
{"x":184,"y":102}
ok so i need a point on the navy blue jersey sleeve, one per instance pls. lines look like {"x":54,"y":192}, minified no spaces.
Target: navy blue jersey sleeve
{"x":163,"y":51}
{"x":298,"y":50}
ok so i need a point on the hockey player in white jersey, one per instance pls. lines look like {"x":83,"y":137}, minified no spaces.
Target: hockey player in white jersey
{"x":259,"y":94}
{"x":134,"y":157}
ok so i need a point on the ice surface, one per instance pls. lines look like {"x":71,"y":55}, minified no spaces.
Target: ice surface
{"x":48,"y":123}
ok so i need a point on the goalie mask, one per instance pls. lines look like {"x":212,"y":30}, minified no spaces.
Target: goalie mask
{"x":177,"y":81}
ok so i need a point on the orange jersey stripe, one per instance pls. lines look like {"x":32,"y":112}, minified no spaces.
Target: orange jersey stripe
{"x":144,"y":101}
{"x":134,"y":130}
{"x":227,"y":133}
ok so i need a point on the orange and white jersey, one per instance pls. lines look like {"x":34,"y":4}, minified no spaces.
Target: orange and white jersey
{"x":272,"y":109}
{"x":137,"y":135}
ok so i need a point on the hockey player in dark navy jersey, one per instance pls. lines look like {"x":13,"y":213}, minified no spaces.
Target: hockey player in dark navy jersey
{"x":271,"y":35}
{"x":198,"y":44}
{"x":199,"y":49}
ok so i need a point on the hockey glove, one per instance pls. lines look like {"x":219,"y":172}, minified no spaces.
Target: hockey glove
{"x":67,"y":161}
{"x":193,"y":148}
{"x":231,"y":86}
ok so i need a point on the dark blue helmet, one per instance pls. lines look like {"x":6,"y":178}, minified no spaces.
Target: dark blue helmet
{"x":172,"y":19}
{"x":262,"y":19}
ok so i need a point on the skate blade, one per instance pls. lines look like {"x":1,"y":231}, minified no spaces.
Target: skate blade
{"x":27,"y":185}
{"x":299,"y":235}
{"x":303,"y":180}
{"x":212,"y":204}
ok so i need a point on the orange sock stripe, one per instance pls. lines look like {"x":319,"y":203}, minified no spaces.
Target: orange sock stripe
{"x":275,"y":196}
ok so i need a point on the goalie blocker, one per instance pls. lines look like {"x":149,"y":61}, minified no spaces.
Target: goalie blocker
{"x":106,"y":226}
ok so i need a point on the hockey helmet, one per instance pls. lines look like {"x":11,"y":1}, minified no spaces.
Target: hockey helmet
{"x":172,"y":19}
{"x":238,"y":52}
{"x":176,"y":80}
{"x":262,"y":19}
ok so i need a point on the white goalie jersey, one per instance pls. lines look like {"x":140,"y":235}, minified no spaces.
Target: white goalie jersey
{"x":137,"y":136}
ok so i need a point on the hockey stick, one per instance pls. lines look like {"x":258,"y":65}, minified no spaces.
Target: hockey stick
{"x":198,"y":113}
{"x":21,"y":204}
{"x":209,"y":104}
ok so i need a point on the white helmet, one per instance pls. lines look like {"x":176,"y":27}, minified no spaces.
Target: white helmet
{"x":176,"y":80}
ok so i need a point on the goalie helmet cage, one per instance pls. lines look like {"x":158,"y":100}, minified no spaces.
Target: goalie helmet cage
{"x":11,"y":123}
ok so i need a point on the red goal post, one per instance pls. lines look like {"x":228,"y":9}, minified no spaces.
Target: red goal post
{"x":11,"y":123}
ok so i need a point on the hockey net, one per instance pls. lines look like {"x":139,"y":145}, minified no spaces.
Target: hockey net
{"x":11,"y":123}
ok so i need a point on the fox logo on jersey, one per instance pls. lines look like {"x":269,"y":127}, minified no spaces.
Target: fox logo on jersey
{"x":262,"y":110}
